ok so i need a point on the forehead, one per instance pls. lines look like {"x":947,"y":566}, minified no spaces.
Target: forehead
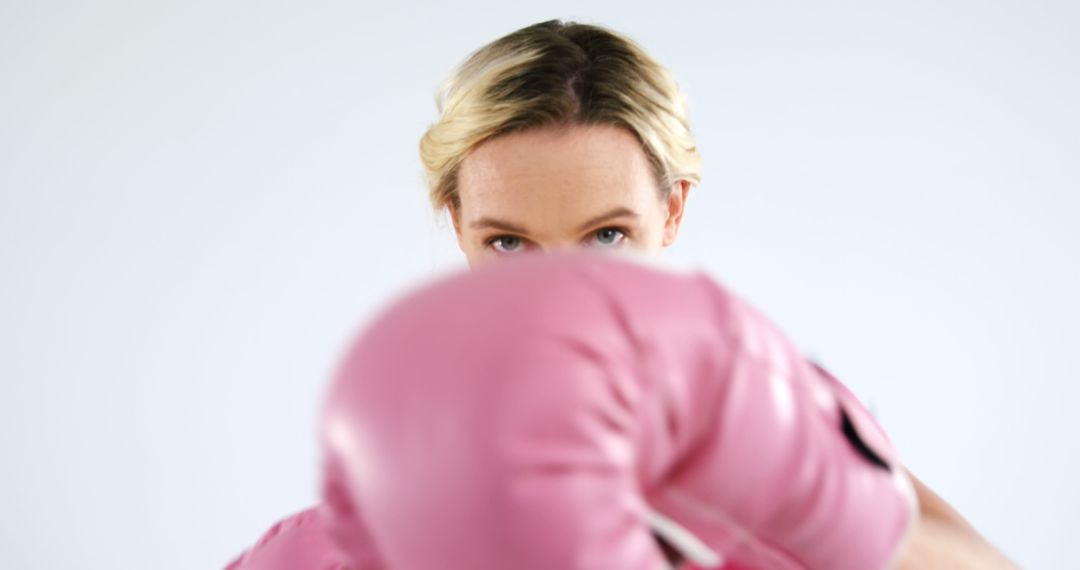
{"x":577,"y":167}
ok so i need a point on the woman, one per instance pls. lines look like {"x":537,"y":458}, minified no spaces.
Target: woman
{"x":565,"y":135}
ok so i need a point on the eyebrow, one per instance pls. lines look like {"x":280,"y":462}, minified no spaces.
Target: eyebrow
{"x":619,"y":212}
{"x":492,"y":223}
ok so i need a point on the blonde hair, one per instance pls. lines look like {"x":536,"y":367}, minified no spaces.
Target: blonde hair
{"x":551,"y":74}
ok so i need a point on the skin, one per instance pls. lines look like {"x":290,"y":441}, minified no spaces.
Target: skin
{"x":559,"y":188}
{"x":944,"y":539}
{"x":593,"y":186}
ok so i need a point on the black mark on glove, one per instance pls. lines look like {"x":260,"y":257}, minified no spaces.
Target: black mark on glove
{"x":852,"y":435}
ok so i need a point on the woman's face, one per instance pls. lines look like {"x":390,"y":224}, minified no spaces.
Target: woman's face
{"x":554,"y":188}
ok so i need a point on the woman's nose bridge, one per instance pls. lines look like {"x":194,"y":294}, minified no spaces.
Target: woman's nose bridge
{"x":559,"y":245}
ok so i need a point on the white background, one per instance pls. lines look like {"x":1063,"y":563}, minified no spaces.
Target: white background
{"x":201,"y":201}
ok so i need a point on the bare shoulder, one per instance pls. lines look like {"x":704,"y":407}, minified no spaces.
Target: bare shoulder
{"x":942,"y":538}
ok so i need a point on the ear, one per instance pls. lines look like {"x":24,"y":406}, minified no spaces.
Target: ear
{"x":676,"y":206}
{"x":455,"y":218}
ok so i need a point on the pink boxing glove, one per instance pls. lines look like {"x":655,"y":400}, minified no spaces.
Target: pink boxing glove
{"x":553,"y":411}
{"x":297,"y":542}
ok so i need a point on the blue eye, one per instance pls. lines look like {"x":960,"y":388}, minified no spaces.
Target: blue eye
{"x":507,"y":244}
{"x":609,"y":237}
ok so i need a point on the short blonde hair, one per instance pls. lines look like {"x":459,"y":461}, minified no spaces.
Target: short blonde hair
{"x":558,"y":73}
